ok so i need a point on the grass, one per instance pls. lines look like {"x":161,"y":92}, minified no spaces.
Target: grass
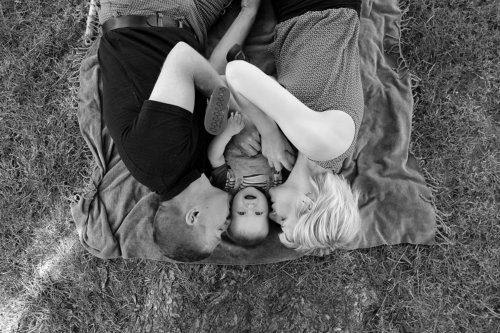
{"x":49,"y":284}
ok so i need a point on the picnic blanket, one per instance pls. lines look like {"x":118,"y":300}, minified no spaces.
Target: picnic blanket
{"x":114,"y":216}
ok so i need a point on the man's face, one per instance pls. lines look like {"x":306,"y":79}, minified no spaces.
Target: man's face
{"x":214,"y":218}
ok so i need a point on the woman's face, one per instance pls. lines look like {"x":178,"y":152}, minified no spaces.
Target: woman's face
{"x":285,"y":199}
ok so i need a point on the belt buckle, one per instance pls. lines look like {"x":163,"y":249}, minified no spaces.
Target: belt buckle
{"x":152,"y":20}
{"x":155,"y":20}
{"x":161,"y":22}
{"x":159,"y":19}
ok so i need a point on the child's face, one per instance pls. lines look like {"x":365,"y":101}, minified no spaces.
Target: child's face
{"x":249,"y":214}
{"x":249,"y":202}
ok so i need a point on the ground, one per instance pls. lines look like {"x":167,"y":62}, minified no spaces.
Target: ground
{"x":48,"y":283}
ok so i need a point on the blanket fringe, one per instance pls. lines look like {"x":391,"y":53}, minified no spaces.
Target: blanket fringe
{"x":90,"y":36}
{"x":443,"y":231}
{"x":92,"y":26}
{"x":89,"y":41}
{"x":79,"y":54}
{"x":405,"y":21}
{"x":395,"y":49}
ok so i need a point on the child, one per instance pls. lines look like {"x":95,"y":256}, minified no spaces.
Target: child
{"x":249,"y":209}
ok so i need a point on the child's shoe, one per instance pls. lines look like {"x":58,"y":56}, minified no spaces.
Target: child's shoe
{"x":217,"y":110}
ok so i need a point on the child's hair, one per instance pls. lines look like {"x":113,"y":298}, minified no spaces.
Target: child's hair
{"x":245,"y":235}
{"x":331,"y":221}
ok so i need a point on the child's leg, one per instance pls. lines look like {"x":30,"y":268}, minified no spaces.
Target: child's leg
{"x":319,"y":135}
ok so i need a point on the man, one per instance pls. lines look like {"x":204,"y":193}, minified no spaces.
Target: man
{"x":155,"y":85}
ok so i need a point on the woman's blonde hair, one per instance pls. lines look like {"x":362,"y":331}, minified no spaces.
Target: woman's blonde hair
{"x":331,"y":221}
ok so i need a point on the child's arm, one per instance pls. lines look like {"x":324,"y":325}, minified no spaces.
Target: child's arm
{"x":216,"y":148}
{"x":248,"y":140}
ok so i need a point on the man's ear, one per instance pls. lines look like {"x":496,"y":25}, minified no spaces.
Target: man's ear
{"x":193,"y":216}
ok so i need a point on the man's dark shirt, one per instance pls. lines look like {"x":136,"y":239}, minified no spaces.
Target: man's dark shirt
{"x":163,"y":146}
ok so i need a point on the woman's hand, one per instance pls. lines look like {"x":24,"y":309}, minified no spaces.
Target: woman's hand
{"x":277,"y":150}
{"x":250,"y":5}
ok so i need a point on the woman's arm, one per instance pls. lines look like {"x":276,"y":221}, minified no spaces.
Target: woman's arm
{"x":320,"y":136}
{"x":236,"y":34}
{"x":274,"y":146}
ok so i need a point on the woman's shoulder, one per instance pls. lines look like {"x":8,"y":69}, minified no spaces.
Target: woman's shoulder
{"x":347,"y":126}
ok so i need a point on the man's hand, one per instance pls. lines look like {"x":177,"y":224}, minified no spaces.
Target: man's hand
{"x":235,"y":124}
{"x":278,"y":151}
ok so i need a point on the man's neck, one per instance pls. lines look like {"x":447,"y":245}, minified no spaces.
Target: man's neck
{"x":197,"y":190}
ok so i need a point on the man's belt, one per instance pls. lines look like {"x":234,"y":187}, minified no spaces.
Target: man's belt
{"x":133,"y":21}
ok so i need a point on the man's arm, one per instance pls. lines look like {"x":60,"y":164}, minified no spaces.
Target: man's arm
{"x":183,"y":70}
{"x":236,"y":34}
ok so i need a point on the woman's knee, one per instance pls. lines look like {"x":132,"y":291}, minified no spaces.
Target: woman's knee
{"x":240,"y":75}
{"x":234,"y":74}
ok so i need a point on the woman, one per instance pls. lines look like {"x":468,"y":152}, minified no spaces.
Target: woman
{"x":318,"y":104}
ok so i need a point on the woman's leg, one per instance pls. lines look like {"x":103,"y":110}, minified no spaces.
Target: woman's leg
{"x":319,"y":135}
